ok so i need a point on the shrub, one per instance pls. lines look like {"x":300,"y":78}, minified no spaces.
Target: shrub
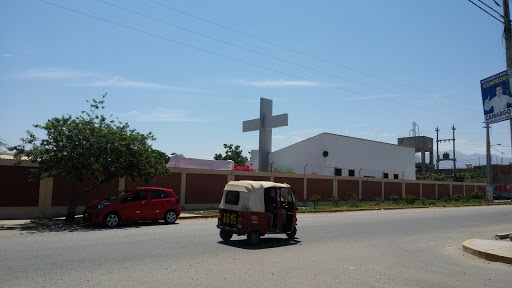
{"x":395,"y":199}
{"x":446,"y":199}
{"x":410,"y":199}
{"x":428,"y":176}
{"x":431,"y":202}
{"x":423,"y":200}
{"x":315,"y":198}
{"x":457,"y":197}
{"x":353,"y":200}
{"x":285,"y":171}
{"x":335,"y":200}
{"x":476,"y":195}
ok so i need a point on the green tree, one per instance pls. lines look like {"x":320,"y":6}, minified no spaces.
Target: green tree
{"x":3,"y":145}
{"x":90,"y":145}
{"x":232,"y":153}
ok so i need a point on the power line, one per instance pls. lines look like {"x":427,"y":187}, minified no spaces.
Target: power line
{"x":215,"y":53}
{"x":202,"y":49}
{"x":291,"y":50}
{"x":248,"y":49}
{"x":486,"y":11}
{"x":490,"y":8}
{"x":230,"y":43}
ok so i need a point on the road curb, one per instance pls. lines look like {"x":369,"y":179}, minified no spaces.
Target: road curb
{"x":503,"y":236}
{"x":467,"y":247}
{"x":191,"y":216}
{"x":197,"y":217}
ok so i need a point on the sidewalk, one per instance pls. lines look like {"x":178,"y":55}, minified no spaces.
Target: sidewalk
{"x":493,"y":250}
{"x":185,"y":215}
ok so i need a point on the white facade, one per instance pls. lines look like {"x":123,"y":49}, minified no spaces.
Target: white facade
{"x":345,"y":156}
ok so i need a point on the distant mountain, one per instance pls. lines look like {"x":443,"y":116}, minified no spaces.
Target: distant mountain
{"x":475,"y":159}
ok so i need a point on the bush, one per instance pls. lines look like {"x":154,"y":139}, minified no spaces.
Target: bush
{"x":423,"y":200}
{"x":457,"y":197}
{"x":353,"y":200}
{"x":395,"y":199}
{"x":428,"y":176}
{"x":446,"y":199}
{"x":476,"y":195}
{"x":335,"y":200}
{"x":410,"y":199}
{"x":315,"y":198}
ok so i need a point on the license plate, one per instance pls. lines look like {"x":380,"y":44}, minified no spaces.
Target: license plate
{"x":229,"y":218}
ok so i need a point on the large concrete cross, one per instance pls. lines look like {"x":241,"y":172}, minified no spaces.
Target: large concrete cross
{"x":265,"y":124}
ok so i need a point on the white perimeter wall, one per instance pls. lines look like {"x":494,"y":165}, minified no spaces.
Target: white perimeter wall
{"x":346,"y":153}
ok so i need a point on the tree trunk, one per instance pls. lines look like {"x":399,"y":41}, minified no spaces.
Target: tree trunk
{"x":70,"y":215}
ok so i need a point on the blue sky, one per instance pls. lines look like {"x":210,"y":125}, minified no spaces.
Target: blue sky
{"x":192,"y":71}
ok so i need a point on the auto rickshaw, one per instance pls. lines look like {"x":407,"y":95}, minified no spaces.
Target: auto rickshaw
{"x":257,"y":208}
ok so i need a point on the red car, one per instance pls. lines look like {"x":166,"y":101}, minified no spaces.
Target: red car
{"x":139,"y":204}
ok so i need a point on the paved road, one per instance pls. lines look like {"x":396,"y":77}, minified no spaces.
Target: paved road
{"x":400,"y":248}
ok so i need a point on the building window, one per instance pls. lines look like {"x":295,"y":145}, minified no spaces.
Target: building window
{"x":337,"y":171}
{"x":395,"y":176}
{"x":385,"y":175}
{"x":351,"y":172}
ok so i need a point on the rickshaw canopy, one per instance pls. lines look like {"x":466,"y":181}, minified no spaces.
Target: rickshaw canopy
{"x":251,"y":195}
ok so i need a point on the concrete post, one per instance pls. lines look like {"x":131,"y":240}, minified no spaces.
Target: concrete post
{"x":45,"y":196}
{"x":183,"y":188}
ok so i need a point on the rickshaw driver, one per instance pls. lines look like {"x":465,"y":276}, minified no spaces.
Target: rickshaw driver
{"x":270,"y":207}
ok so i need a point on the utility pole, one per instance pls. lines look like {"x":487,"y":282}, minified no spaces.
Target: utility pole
{"x":489,"y":188}
{"x":437,"y":149}
{"x":454,"y":158}
{"x":507,"y":33}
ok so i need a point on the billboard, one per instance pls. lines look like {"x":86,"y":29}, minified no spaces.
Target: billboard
{"x":496,"y":100}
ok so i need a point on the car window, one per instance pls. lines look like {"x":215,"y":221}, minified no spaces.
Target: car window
{"x":232,"y":197}
{"x":139,"y":195}
{"x":118,"y":195}
{"x":158,"y":194}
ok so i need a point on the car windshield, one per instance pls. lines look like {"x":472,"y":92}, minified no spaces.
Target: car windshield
{"x":118,"y":195}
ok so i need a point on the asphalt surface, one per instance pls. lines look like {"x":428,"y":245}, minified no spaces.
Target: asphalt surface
{"x":498,"y":250}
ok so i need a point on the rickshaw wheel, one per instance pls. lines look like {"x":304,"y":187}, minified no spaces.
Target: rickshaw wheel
{"x":253,"y":237}
{"x":225,"y":236}
{"x":292,"y":233}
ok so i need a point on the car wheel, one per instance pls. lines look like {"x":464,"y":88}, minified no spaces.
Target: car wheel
{"x":253,"y":237}
{"x":292,"y":233}
{"x":111,"y":219}
{"x":170,"y":216}
{"x":225,"y":235}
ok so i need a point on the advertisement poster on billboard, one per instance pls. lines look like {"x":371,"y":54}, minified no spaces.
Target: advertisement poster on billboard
{"x":496,"y":97}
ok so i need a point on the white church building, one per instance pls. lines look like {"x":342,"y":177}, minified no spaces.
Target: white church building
{"x":338,"y":155}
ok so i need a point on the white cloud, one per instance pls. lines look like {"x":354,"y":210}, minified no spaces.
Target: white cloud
{"x":370,"y":97}
{"x":6,"y":55}
{"x":161,"y":115}
{"x":121,"y":82}
{"x":307,"y":132}
{"x":279,"y":137}
{"x":115,"y":82}
{"x":281,"y":83}
{"x":54,"y":73}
